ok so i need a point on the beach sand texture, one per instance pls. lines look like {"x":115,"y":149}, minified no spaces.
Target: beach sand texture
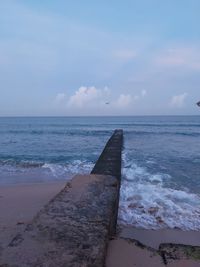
{"x":20,"y":203}
{"x":126,"y":253}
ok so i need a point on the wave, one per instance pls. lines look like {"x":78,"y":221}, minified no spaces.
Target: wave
{"x":74,"y":167}
{"x":22,"y":164}
{"x":159,"y":124}
{"x":146,"y":202}
{"x":192,"y":134}
{"x":79,"y":132}
{"x":53,"y":169}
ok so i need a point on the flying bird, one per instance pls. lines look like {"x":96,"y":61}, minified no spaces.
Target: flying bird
{"x":198,"y":104}
{"x":107,"y":103}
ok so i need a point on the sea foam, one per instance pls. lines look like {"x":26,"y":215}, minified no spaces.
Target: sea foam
{"x":69,"y":169}
{"x":146,"y":202}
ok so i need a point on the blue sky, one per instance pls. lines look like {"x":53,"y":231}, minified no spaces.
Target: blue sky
{"x":99,"y":57}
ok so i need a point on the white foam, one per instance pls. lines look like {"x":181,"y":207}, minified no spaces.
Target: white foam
{"x":55,"y":169}
{"x":146,"y":203}
{"x":72,"y":168}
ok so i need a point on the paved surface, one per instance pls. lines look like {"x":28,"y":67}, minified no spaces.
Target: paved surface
{"x":73,"y":229}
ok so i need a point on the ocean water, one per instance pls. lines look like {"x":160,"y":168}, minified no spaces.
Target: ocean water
{"x":161,"y":161}
{"x":45,"y":149}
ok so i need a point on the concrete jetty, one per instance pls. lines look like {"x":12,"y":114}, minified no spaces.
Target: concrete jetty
{"x":74,"y":228}
{"x":109,"y":162}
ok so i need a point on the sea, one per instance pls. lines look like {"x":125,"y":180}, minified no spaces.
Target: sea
{"x":160,"y":186}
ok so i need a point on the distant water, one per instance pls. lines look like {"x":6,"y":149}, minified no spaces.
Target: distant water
{"x":41,"y":149}
{"x":161,"y":161}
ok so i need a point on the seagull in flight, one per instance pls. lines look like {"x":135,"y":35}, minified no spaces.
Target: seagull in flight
{"x":198,"y":104}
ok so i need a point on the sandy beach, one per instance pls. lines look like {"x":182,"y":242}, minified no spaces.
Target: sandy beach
{"x":141,"y":248}
{"x":99,"y":133}
{"x":71,"y":230}
{"x":124,"y":253}
{"x":20,"y":203}
{"x":132,"y":247}
{"x":153,"y":238}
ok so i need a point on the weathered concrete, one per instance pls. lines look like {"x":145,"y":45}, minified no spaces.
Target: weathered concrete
{"x":72,"y":230}
{"x":171,"y":252}
{"x":109,"y":162}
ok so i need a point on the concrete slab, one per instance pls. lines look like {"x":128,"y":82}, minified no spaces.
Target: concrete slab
{"x":73,"y":229}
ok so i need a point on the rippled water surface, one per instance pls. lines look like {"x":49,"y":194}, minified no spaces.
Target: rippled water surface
{"x":161,"y":161}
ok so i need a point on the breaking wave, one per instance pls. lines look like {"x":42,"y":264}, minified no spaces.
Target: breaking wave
{"x":146,"y":202}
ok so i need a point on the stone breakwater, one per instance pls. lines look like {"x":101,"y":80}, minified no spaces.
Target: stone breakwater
{"x":109,"y":162}
{"x":74,"y":228}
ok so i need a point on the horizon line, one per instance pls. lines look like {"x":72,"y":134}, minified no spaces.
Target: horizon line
{"x":93,"y":116}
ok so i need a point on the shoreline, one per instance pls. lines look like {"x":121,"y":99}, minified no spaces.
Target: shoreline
{"x":19,"y":204}
{"x":19,"y":184}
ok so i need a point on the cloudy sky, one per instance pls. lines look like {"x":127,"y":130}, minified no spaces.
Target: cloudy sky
{"x":103,"y":57}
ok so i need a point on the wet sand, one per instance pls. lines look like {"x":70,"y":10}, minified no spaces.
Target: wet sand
{"x":142,"y":248}
{"x":20,"y":203}
{"x":123,"y":253}
{"x":153,"y":238}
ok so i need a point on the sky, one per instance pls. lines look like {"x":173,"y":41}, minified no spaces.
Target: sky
{"x":72,"y":58}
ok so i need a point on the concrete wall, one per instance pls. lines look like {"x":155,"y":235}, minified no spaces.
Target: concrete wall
{"x":109,"y":162}
{"x":74,"y":228}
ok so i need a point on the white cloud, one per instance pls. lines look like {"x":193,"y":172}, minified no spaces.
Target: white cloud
{"x":84,"y":98}
{"x":124,"y":101}
{"x":178,"y":100}
{"x":142,"y":94}
{"x":91,"y":100}
{"x":88,"y":96}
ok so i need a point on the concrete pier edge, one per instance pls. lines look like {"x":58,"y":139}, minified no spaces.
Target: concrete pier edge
{"x":74,"y":228}
{"x":109,"y":163}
